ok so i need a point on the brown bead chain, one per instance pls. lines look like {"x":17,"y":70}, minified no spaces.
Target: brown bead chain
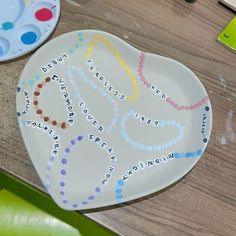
{"x":39,"y":111}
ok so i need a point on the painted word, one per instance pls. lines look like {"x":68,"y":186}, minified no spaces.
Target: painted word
{"x":147,"y":164}
{"x":203,"y":124}
{"x":90,"y":117}
{"x":67,"y":99}
{"x":50,"y":65}
{"x":27,"y":101}
{"x":158,"y":92}
{"x":145,"y":120}
{"x":103,"y":145}
{"x":50,"y":132}
{"x":104,"y":82}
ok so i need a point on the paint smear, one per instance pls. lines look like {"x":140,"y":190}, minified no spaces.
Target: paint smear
{"x":222,"y":140}
{"x":222,"y":81}
{"x":73,"y":3}
{"x":230,"y":134}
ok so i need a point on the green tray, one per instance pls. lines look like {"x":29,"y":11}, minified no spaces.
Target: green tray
{"x":27,"y":211}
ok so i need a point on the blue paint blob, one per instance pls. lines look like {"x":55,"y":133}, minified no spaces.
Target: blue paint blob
{"x":177,"y":155}
{"x":120,"y":182}
{"x":91,"y":197}
{"x":207,"y":108}
{"x":7,"y":25}
{"x":31,"y":82}
{"x":72,"y":142}
{"x":118,"y":190}
{"x":65,"y":201}
{"x":199,"y":152}
{"x":98,"y":190}
{"x":119,"y":196}
{"x":188,"y":154}
{"x":80,"y":138}
{"x":29,"y":37}
{"x":18,"y":89}
{"x":18,"y":114}
{"x":62,"y":184}
{"x":63,"y":161}
{"x":84,"y":202}
{"x":67,"y":150}
{"x":63,"y":172}
{"x":75,"y":205}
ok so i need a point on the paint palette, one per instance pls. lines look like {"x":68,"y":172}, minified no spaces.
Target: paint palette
{"x":25,"y":24}
{"x":105,"y":123}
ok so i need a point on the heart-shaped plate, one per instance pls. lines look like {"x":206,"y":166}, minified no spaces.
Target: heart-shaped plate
{"x":105,"y":123}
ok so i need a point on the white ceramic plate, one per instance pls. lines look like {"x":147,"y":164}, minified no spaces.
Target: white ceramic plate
{"x":105,"y":123}
{"x":25,"y":24}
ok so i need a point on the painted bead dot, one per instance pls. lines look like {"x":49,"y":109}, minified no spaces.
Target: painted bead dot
{"x":75,"y":205}
{"x":121,"y":182}
{"x":39,"y":111}
{"x":40,"y":85}
{"x":72,"y":142}
{"x":63,"y":160}
{"x":67,"y":150}
{"x":36,"y":93}
{"x":63,"y":125}
{"x":18,"y":114}
{"x":63,"y":172}
{"x":62,"y":184}
{"x":98,"y":190}
{"x":47,"y":79}
{"x":118,"y":190}
{"x":36,"y":103}
{"x":205,"y":140}
{"x":65,"y":201}
{"x":188,"y":154}
{"x":54,"y":122}
{"x":18,"y":89}
{"x":207,"y":108}
{"x":199,"y":152}
{"x":91,"y":197}
{"x":46,"y":118}
{"x":80,"y":138}
{"x":177,"y":155}
{"x":84,"y":202}
{"x":62,"y":193}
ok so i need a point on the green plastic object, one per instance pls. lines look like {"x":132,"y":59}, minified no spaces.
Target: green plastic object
{"x":228,"y":35}
{"x":26,"y":211}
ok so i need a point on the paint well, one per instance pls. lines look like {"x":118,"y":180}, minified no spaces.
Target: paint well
{"x":29,"y":37}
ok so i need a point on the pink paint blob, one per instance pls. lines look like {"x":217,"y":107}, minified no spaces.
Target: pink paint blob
{"x":43,"y":14}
